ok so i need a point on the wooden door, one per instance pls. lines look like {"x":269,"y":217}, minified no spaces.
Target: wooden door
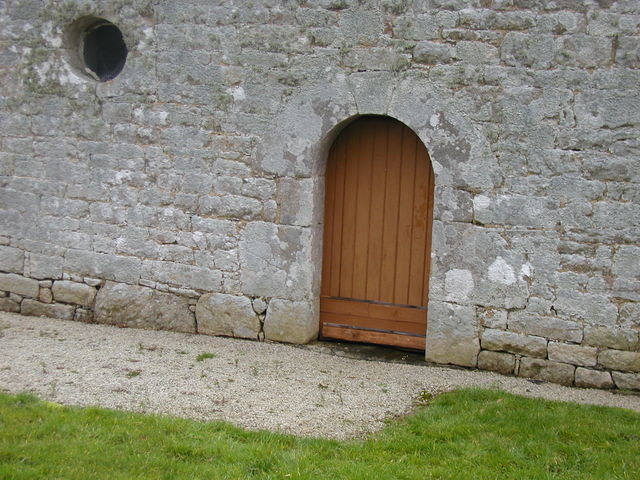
{"x":377,"y":235}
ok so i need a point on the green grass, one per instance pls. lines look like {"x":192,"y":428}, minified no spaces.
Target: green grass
{"x":204,"y":356}
{"x":468,"y":434}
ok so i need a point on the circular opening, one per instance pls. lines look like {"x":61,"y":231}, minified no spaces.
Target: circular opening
{"x":103,"y":51}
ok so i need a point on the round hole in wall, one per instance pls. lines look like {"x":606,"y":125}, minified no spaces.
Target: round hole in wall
{"x":103,"y":50}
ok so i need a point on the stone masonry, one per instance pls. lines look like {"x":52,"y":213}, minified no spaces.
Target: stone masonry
{"x":187,"y":193}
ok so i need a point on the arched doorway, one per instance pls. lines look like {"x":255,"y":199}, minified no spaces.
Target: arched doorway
{"x":377,"y":235}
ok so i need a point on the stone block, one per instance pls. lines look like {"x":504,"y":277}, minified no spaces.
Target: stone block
{"x":588,"y":378}
{"x":27,"y":287}
{"x":452,"y":334}
{"x":291,"y":322}
{"x":229,"y":315}
{"x":259,"y":305}
{"x":45,"y":295}
{"x":626,"y":381}
{"x":573,"y":354}
{"x":53,"y":310}
{"x":546,"y":370}
{"x":142,"y":307}
{"x":71,"y":292}
{"x":11,"y":260}
{"x":497,"y":362}
{"x":549,"y":327}
{"x":499,"y":340}
{"x":8,"y":305}
{"x":620,"y":360}
{"x":611,"y":337}
{"x":493,"y":318}
{"x":432,"y":53}
{"x":83,"y":315}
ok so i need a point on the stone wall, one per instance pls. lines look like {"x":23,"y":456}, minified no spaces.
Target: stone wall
{"x":187,"y":193}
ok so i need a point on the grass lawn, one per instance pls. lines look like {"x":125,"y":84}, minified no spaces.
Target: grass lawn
{"x":467,"y":434}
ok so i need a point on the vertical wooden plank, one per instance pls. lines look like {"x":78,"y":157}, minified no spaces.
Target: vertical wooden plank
{"x":352,"y":136}
{"x":363,"y":208}
{"x":376,"y":218}
{"x":419,"y":229}
{"x":405,"y":217}
{"x":339,"y":157}
{"x":390,"y":212}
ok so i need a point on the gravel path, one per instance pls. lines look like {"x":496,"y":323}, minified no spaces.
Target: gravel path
{"x":251,"y":384}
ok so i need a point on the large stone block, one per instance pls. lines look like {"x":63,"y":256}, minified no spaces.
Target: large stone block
{"x":546,"y":370}
{"x":499,"y":340}
{"x":620,"y":360}
{"x":27,"y":287}
{"x":291,"y":322}
{"x":452,"y":334}
{"x":71,"y":292}
{"x":573,"y":354}
{"x":550,"y":327}
{"x":8,"y":305}
{"x":275,"y":261}
{"x":11,"y":259}
{"x":626,"y":381}
{"x":142,"y":307}
{"x":230,"y":315}
{"x":497,"y":362}
{"x":611,"y":337}
{"x":586,"y":377}
{"x":53,"y":310}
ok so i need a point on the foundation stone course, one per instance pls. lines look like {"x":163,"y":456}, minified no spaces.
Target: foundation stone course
{"x":620,"y":360}
{"x":72,"y":292}
{"x":53,"y":310}
{"x":290,"y":321}
{"x":514,"y":342}
{"x":627,"y":381}
{"x":19,"y":285}
{"x":573,"y":354}
{"x":230,"y":315}
{"x":593,"y":378}
{"x":497,"y":362}
{"x":142,"y":307}
{"x":547,"y":370}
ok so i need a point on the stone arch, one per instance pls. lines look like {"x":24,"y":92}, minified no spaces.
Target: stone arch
{"x":307,"y":125}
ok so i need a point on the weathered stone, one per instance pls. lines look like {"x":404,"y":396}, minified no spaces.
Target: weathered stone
{"x":492,"y":318}
{"x":142,"y":307}
{"x":499,"y":340}
{"x":83,"y":315}
{"x":549,"y":327}
{"x":497,"y":362}
{"x":432,"y":53}
{"x":291,"y":322}
{"x":611,"y":337}
{"x":45,"y":295}
{"x":8,"y":305}
{"x":546,"y":370}
{"x":72,"y":292}
{"x":53,"y":310}
{"x":11,"y":259}
{"x":259,"y":305}
{"x":573,"y":354}
{"x":230,"y":315}
{"x":20,"y":285}
{"x":620,"y":360}
{"x":593,"y":378}
{"x":452,"y":335}
{"x":626,"y":381}
{"x":92,"y":282}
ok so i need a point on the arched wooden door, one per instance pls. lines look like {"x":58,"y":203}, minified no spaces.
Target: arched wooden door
{"x":377,"y":235}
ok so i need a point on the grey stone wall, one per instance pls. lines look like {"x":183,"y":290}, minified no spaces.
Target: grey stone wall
{"x":187,"y":192}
